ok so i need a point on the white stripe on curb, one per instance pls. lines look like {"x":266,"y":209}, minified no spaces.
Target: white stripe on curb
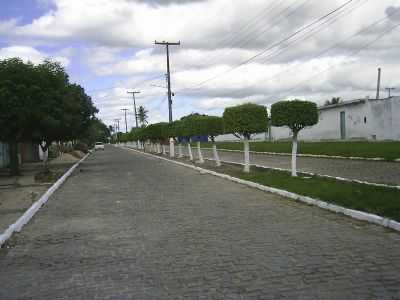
{"x":355,"y":214}
{"x":25,"y":218}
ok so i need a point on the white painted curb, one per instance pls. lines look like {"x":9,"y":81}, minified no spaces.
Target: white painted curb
{"x":355,"y":214}
{"x":25,"y":218}
{"x":310,"y":155}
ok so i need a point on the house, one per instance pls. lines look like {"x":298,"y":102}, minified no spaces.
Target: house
{"x":371,"y":119}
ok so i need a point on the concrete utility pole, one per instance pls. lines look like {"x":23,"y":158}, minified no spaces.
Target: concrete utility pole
{"x":126,"y":124}
{"x":134,"y":105}
{"x":389,"y":89}
{"x":378,"y":85}
{"x":167,"y":44}
{"x":117,"y":123}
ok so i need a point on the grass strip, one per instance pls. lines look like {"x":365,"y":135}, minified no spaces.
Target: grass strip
{"x":381,"y":201}
{"x":387,"y":150}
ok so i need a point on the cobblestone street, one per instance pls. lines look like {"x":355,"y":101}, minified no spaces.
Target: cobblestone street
{"x":128,"y":226}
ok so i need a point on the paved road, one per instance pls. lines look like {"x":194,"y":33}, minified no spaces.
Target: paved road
{"x":133,"y":227}
{"x":371,"y":171}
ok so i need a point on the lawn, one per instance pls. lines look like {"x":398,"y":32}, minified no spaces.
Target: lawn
{"x":386,"y":150}
{"x":381,"y":201}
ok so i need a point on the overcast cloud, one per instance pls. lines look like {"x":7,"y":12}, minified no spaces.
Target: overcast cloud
{"x":110,"y":43}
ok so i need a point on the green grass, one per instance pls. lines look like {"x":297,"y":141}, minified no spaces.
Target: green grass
{"x":386,"y":150}
{"x":377,"y":200}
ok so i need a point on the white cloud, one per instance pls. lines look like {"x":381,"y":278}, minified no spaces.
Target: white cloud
{"x":30,"y":54}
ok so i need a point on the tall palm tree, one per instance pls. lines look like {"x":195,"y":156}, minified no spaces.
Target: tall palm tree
{"x":142,"y":115}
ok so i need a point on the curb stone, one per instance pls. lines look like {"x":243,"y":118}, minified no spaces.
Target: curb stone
{"x":31,"y":211}
{"x":355,"y":214}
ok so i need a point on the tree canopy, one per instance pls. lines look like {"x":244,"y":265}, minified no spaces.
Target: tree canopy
{"x":245,"y":120}
{"x":295,"y":114}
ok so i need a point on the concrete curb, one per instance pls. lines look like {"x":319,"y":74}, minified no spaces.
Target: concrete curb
{"x":27,"y":216}
{"x":355,"y":214}
{"x":315,"y":174}
{"x":311,"y":155}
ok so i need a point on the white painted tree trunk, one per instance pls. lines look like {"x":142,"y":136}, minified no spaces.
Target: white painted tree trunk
{"x":190,"y":151}
{"x":171,"y":148}
{"x":164,"y":152}
{"x":159,"y":148}
{"x":180,"y":151}
{"x":216,"y":157}
{"x":201,"y":159}
{"x":246,"y":155}
{"x":294,"y":155}
{"x":138,"y":145}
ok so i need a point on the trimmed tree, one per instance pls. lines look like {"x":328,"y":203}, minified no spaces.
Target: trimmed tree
{"x":183,"y":131}
{"x":296,"y":115}
{"x":243,"y":121}
{"x":211,"y":126}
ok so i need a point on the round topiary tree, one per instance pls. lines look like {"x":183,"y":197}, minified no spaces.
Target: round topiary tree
{"x":185,"y":130}
{"x":296,"y":115}
{"x":211,"y":126}
{"x":243,"y":121}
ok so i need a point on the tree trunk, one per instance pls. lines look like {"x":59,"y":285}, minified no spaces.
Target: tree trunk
{"x":246,"y":155}
{"x":180,"y":151}
{"x":190,"y":151}
{"x":294,"y":154}
{"x":163,"y":150}
{"x":201,"y":160}
{"x":216,"y":157}
{"x":171,"y":148}
{"x":45,"y":146}
{"x":138,"y":145}
{"x":14,"y":163}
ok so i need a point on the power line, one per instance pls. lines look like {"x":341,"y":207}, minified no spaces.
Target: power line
{"x":275,"y":44}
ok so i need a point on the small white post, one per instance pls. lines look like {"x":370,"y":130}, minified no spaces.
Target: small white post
{"x":190,"y":151}
{"x":246,"y":155}
{"x":201,"y":160}
{"x":171,"y":148}
{"x":294,"y":154}
{"x":216,"y":156}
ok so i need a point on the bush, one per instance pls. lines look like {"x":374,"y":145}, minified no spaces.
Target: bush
{"x":80,"y":146}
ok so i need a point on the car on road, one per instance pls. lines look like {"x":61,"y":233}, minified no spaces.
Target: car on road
{"x":99,"y":146}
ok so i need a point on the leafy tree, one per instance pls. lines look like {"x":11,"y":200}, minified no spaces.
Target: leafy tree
{"x":18,"y":91}
{"x":211,"y":126}
{"x":97,"y":131}
{"x":296,"y":115}
{"x":143,"y":116}
{"x":243,"y":121}
{"x":334,"y":100}
{"x":183,"y":131}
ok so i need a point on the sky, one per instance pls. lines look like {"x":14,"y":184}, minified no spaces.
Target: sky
{"x":231,"y":51}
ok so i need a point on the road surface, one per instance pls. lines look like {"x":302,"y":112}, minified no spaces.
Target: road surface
{"x":128,"y":226}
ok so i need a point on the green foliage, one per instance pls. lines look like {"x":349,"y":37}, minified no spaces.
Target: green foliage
{"x":246,"y":119}
{"x":81,"y":146}
{"x":96,"y":131}
{"x":142,"y":115}
{"x":295,"y":114}
{"x":156,"y":132}
{"x":207,"y":125}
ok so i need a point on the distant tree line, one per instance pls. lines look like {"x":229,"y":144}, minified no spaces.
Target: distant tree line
{"x":242,"y":120}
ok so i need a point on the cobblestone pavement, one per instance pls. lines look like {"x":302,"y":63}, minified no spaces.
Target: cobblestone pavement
{"x":371,"y":171}
{"x":129,"y":226}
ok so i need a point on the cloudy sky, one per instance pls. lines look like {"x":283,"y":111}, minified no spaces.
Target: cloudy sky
{"x":231,"y":51}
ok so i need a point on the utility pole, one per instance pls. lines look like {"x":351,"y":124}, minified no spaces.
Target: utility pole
{"x":389,"y":89}
{"x":378,"y":85}
{"x":134,"y":105}
{"x":117,"y":121}
{"x":126,"y":124}
{"x":167,"y":44}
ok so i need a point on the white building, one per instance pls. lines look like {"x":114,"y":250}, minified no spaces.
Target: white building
{"x":372,"y":119}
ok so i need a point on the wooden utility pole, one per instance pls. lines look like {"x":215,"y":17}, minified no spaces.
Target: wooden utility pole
{"x":389,"y":89}
{"x":126,"y":124}
{"x":167,"y":44}
{"x":378,"y":85}
{"x":134,"y":105}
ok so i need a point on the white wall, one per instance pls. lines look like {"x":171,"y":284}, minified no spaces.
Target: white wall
{"x":382,"y":122}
